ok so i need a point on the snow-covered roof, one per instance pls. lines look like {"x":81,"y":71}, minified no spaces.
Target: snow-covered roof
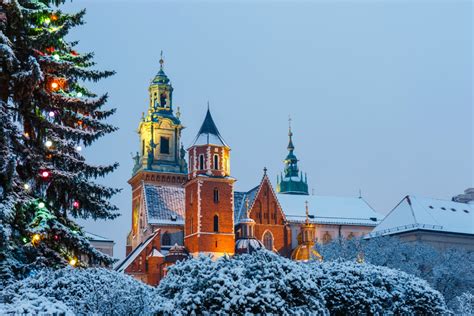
{"x":239,"y":203}
{"x":329,"y":210}
{"x":418,"y":213}
{"x":135,"y":252}
{"x":94,"y":237}
{"x":164,"y":205}
{"x":208,"y":133}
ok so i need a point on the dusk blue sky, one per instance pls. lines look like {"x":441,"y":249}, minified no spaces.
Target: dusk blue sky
{"x":380,"y":92}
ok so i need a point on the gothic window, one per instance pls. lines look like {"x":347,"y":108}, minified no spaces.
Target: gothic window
{"x":201,"y":162}
{"x":268,"y":240}
{"x":166,"y":239}
{"x":326,"y":238}
{"x":164,"y":145}
{"x":216,"y":195}
{"x":163,"y":100}
{"x":216,"y":223}
{"x":216,"y":162}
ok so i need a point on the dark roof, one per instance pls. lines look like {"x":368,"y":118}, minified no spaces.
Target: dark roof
{"x":208,"y":133}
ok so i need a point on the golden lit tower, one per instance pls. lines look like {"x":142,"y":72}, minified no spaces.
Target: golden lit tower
{"x":305,"y":250}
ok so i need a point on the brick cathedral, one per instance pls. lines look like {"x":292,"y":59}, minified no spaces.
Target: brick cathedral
{"x":184,"y":202}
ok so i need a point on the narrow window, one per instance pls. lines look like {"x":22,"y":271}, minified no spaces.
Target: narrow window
{"x":201,"y":162}
{"x":164,"y":145}
{"x":216,"y":195}
{"x":143,"y":148}
{"x":216,"y":162}
{"x":216,"y":223}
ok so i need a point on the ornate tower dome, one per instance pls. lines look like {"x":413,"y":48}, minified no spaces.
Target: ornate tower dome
{"x":305,"y":250}
{"x":292,"y":181}
{"x":247,"y":243}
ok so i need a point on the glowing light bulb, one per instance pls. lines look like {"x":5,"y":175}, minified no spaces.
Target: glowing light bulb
{"x":79,"y":94}
{"x":51,"y":114}
{"x":73,"y":262}
{"x":26,"y":186}
{"x":56,"y":57}
{"x":75,"y":204}
{"x":78,"y":148}
{"x":48,"y":143}
{"x":45,"y":174}
{"x":54,"y":85}
{"x":41,"y":205}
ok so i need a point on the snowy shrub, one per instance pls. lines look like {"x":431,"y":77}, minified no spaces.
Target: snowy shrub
{"x":463,"y":305}
{"x":259,"y":283}
{"x":353,"y":288}
{"x":32,"y":304}
{"x":83,"y":291}
{"x":448,"y":271}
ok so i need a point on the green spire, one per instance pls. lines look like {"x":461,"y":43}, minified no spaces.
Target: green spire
{"x":292,"y":181}
{"x":161,"y":77}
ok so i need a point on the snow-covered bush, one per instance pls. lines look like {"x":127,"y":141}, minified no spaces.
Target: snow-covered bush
{"x":82,"y":291}
{"x":350,"y":288}
{"x":463,"y":305}
{"x":32,"y":304}
{"x":259,"y":283}
{"x":448,"y":271}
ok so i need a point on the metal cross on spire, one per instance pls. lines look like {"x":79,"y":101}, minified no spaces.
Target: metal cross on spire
{"x":307,"y":211}
{"x":289,"y":122}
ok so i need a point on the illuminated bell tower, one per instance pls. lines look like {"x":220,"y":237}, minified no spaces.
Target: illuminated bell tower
{"x":160,"y":160}
{"x":209,"y":192}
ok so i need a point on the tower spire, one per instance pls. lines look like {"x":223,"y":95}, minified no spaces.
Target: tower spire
{"x":307,"y":212}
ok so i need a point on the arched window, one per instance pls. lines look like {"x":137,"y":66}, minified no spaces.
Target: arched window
{"x":268,"y":240}
{"x":163,"y":100}
{"x":216,"y":195}
{"x":166,"y":239}
{"x":216,"y":162}
{"x":216,"y":223}
{"x":201,"y":162}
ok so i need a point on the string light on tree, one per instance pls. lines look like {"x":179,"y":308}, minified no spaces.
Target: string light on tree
{"x":26,"y":186}
{"x":41,"y":205}
{"x":56,"y":57}
{"x":75,"y":204}
{"x":48,"y":144}
{"x":45,"y":174}
{"x":79,"y":94}
{"x":54,"y":85}
{"x":51,"y":114}
{"x":78,"y":148}
{"x":35,"y":239}
{"x":73,"y":262}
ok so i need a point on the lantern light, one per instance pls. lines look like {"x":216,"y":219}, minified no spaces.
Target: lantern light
{"x":41,"y":205}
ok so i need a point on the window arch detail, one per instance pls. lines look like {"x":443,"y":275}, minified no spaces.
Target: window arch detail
{"x":267,"y":240}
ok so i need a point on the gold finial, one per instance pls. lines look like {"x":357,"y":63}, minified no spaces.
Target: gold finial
{"x":247,"y":207}
{"x":289,"y":122}
{"x":161,"y":60}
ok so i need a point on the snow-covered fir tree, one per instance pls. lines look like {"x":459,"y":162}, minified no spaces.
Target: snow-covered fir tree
{"x":46,"y":116}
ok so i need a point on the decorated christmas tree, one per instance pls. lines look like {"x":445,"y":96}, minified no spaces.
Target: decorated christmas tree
{"x":47,"y":115}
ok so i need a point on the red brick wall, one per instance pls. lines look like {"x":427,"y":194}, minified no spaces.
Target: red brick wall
{"x":268,"y":215}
